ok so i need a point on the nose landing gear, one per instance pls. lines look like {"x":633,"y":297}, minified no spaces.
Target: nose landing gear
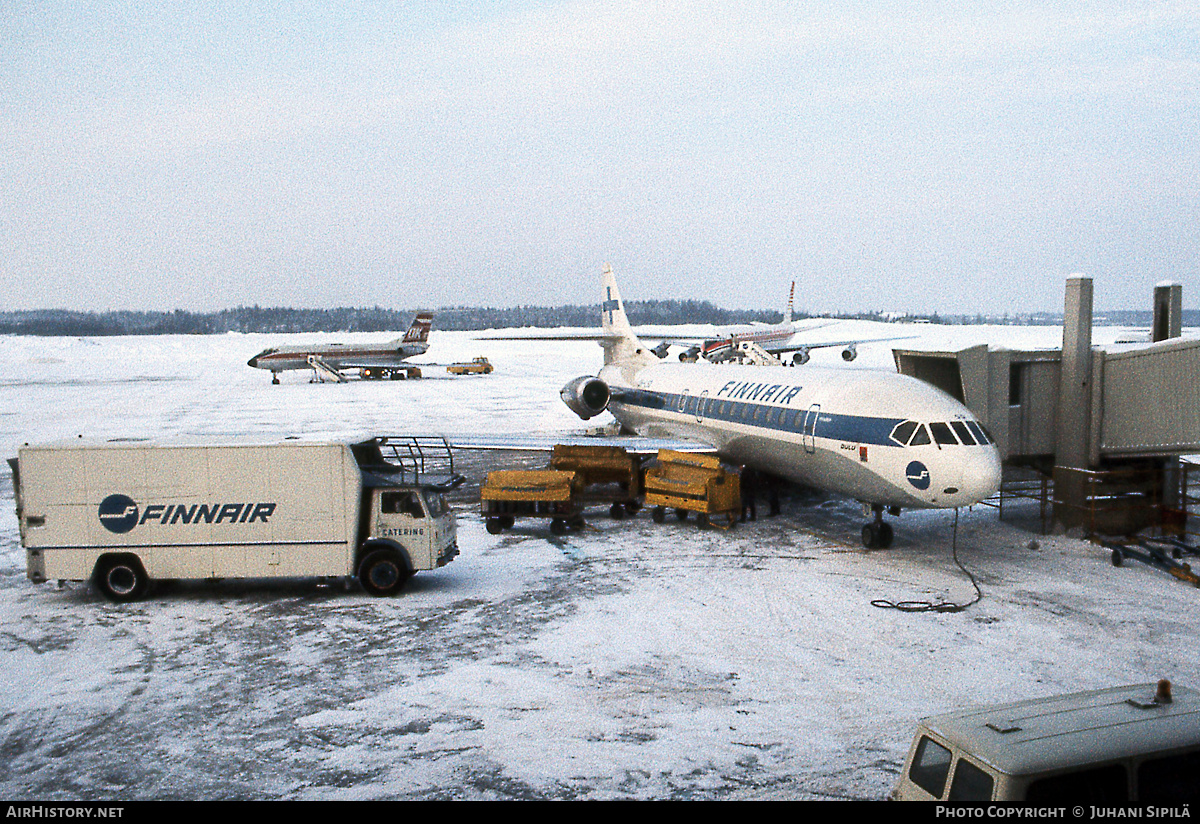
{"x":878,"y":533}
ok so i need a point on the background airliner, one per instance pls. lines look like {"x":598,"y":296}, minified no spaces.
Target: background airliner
{"x":885,"y":439}
{"x":722,"y":344}
{"x":379,"y":360}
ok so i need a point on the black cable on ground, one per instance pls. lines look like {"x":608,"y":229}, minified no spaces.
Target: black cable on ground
{"x":941,"y":606}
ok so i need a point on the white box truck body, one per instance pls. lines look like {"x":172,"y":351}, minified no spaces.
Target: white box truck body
{"x":125,"y":513}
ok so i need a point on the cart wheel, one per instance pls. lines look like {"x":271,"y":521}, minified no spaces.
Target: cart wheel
{"x":494,"y":525}
{"x":558,"y":526}
{"x":1118,"y":557}
{"x":659,"y":514}
{"x":681,"y":514}
{"x":702,"y":521}
{"x":617,"y":511}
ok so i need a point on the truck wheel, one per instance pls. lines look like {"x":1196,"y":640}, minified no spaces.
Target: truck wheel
{"x":494,"y":526}
{"x":658,"y":515}
{"x":558,"y":526}
{"x":121,"y":579}
{"x":617,"y":511}
{"x":383,"y":572}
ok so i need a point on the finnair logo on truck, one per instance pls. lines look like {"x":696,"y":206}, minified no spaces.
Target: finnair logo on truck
{"x":120,"y":513}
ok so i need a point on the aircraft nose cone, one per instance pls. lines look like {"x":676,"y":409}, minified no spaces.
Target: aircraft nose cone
{"x":253,"y":361}
{"x":981,"y":477}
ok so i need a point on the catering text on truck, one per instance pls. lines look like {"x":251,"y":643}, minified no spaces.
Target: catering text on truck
{"x":126,"y":513}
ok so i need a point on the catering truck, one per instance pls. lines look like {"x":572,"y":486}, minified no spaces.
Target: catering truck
{"x":125,"y":513}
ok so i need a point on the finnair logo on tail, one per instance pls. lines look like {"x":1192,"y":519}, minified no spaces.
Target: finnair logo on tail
{"x":610,"y":305}
{"x":918,"y":475}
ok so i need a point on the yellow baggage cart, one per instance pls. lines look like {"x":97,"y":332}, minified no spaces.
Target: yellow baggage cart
{"x":608,"y":474}
{"x":690,"y":482}
{"x":538,"y":493}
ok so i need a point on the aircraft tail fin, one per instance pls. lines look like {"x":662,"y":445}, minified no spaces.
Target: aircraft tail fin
{"x":787,"y":318}
{"x":620,"y":343}
{"x":419,"y":331}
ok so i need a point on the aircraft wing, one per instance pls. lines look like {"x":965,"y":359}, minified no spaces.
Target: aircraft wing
{"x":580,"y":334}
{"x":377,"y":363}
{"x":795,"y":345}
{"x":530,"y":442}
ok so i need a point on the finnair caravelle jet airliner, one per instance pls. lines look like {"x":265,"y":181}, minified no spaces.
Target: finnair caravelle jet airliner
{"x":888,"y":440}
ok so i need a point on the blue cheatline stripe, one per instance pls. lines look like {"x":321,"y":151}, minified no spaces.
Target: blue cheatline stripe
{"x":856,"y":428}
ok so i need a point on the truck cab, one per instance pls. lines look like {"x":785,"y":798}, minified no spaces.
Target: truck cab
{"x":407,"y":524}
{"x":418,"y":521}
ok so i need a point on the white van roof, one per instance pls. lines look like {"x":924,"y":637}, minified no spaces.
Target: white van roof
{"x":1046,"y":734}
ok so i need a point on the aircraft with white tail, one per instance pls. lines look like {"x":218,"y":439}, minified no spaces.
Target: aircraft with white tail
{"x":887,"y":440}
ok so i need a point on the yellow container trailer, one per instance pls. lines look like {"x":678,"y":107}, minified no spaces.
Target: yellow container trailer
{"x":690,"y":482}
{"x":608,"y":474}
{"x":538,"y":493}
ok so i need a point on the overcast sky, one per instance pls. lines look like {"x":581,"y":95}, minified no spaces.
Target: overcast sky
{"x":965,"y":157}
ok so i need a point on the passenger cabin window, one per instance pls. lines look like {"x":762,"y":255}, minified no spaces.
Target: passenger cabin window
{"x":942,"y":434}
{"x":970,"y":783}
{"x":1100,"y":785}
{"x":930,"y":766}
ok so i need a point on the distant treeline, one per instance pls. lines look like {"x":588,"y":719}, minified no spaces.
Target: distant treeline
{"x":377,"y":319}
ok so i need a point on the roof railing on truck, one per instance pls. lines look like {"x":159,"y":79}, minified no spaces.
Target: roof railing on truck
{"x":421,"y":460}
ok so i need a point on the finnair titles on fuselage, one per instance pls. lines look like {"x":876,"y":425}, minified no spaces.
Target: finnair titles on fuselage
{"x":885,"y":439}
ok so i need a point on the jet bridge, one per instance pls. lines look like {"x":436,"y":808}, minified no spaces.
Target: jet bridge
{"x":1123,"y":408}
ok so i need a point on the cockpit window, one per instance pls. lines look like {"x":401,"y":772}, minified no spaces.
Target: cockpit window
{"x":942,"y":434}
{"x":964,"y":434}
{"x":921,"y":438}
{"x":980,"y":432}
{"x":903,"y":431}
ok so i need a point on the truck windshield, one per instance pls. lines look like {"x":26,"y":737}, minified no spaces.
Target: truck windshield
{"x":436,"y":503}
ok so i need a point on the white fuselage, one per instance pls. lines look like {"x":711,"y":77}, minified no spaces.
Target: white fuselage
{"x":337,"y":355}
{"x":856,"y":432}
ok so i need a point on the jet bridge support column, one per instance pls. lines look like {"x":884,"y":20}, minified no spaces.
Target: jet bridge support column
{"x":1074,"y":407}
{"x":1168,"y":323}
